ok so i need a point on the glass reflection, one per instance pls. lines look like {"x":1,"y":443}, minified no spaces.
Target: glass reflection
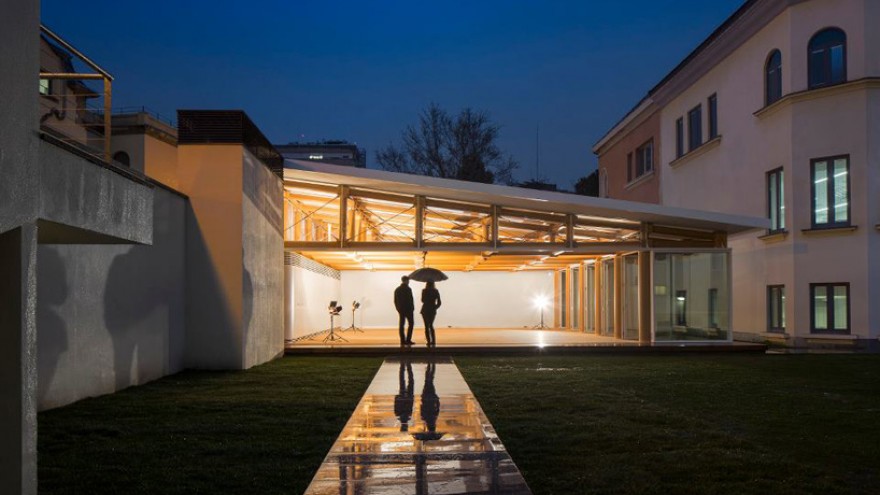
{"x":438,"y":442}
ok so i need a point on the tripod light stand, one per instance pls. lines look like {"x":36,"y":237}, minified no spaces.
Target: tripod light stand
{"x":334,"y":311}
{"x":541,"y":302}
{"x":354,"y":306}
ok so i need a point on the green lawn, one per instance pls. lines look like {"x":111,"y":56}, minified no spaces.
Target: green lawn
{"x":265,"y":430}
{"x":573,"y":424}
{"x":686,"y":424}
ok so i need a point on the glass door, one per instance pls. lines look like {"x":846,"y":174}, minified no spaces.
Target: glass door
{"x":590,"y":298}
{"x":576,"y":293}
{"x":631,"y":297}
{"x":607,"y":298}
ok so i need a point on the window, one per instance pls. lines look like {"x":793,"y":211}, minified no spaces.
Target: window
{"x":644,"y":162}
{"x":695,"y":128}
{"x":829,"y":308}
{"x":776,"y":199}
{"x":45,"y":87}
{"x":679,"y":137}
{"x":629,"y":167}
{"x":830,"y":190}
{"x":775,"y":308}
{"x":827,"y":58}
{"x":681,"y":308}
{"x":773,"y":77}
{"x":713,"y":308}
{"x":713,"y":116}
{"x":122,"y":158}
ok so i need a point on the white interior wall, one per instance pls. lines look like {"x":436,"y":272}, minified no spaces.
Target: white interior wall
{"x":309,"y":294}
{"x":470,"y":299}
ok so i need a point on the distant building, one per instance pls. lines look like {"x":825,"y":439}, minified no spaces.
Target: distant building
{"x":332,"y":152}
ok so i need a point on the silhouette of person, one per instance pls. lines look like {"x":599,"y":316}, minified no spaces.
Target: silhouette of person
{"x":430,"y":407}
{"x":430,"y":303}
{"x":403,"y":303}
{"x":403,"y":401}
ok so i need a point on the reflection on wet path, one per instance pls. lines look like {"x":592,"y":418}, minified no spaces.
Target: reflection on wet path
{"x":418,"y":429}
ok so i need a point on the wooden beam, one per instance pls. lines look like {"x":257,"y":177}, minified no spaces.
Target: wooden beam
{"x":646,"y":296}
{"x":420,"y":221}
{"x":452,"y":205}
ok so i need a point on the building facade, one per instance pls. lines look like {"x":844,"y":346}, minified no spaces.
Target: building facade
{"x":332,"y":152}
{"x":777,"y":114}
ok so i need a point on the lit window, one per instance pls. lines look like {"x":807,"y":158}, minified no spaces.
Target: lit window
{"x":776,"y":308}
{"x":316,"y":157}
{"x":830,"y":308}
{"x":830,"y":191}
{"x":827,"y":58}
{"x":773,"y":77}
{"x":45,"y":87}
{"x":776,"y":199}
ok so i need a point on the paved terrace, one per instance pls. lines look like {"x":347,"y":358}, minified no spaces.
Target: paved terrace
{"x":504,"y":340}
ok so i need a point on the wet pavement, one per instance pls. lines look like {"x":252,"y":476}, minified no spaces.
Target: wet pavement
{"x":418,"y":429}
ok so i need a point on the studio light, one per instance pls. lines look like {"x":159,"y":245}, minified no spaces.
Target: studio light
{"x":334,"y":310}
{"x":541,"y":302}
{"x":354,"y":307}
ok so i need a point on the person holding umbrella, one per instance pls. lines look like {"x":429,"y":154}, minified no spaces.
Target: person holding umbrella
{"x":430,"y":303}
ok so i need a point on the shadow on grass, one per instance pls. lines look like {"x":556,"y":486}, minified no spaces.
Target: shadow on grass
{"x":264,"y":430}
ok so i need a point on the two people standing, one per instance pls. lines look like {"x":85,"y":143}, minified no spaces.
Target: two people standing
{"x":403,"y":303}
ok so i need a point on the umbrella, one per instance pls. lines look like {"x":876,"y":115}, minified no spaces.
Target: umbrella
{"x":428,"y":274}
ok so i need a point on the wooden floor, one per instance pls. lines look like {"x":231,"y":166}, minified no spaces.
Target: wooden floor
{"x":382,"y":340}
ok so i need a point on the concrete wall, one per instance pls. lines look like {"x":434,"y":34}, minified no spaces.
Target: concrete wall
{"x":112,"y":316}
{"x":234,"y":258}
{"x":19,"y":187}
{"x":80,"y":194}
{"x":212,"y":178}
{"x":470,"y":299}
{"x":263,"y":263}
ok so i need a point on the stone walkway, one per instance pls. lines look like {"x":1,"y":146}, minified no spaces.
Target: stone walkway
{"x":418,"y":429}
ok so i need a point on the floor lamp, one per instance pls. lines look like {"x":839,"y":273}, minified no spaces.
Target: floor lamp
{"x":354,"y":306}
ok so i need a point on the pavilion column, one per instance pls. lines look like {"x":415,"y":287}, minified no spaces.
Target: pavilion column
{"x":646,"y":296}
{"x":618,"y":297}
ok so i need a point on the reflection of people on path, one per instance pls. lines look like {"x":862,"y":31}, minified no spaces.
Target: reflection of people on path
{"x":430,"y":303}
{"x":403,"y":303}
{"x":403,"y":401}
{"x":430,"y":407}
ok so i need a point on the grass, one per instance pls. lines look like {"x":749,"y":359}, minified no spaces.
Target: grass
{"x":265,"y":430}
{"x":686,"y":424}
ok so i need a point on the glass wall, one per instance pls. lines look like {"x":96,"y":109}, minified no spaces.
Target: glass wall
{"x":691,"y":296}
{"x":607,"y":297}
{"x":563,"y":299}
{"x":590,"y":298}
{"x":631,"y":297}
{"x":576,"y":293}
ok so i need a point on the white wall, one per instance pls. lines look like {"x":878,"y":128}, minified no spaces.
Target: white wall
{"x":308,"y":294}
{"x":470,"y":299}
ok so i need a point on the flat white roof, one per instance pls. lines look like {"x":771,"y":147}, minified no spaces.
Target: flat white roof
{"x":519,"y":197}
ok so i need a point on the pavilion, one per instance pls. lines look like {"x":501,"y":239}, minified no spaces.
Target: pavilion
{"x":622,"y":270}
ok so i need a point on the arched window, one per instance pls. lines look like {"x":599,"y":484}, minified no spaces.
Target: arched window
{"x":773,"y":77}
{"x":122,"y":157}
{"x":827,"y":58}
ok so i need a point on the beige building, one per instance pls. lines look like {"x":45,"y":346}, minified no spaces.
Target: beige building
{"x":776,"y":114}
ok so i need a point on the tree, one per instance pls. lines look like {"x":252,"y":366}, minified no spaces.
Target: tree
{"x":463,"y":147}
{"x":588,"y":186}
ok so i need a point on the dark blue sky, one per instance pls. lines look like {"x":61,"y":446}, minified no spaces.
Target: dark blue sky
{"x":361,"y":71}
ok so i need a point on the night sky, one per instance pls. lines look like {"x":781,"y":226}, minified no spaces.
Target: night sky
{"x":361,"y":71}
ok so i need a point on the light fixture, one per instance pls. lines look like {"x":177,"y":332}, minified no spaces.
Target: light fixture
{"x":541,"y":302}
{"x":354,"y":307}
{"x":334,"y":310}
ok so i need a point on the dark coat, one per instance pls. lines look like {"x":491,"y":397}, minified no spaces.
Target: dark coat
{"x":430,"y":301}
{"x":403,"y":300}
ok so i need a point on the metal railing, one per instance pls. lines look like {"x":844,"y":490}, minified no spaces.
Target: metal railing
{"x":66,"y":114}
